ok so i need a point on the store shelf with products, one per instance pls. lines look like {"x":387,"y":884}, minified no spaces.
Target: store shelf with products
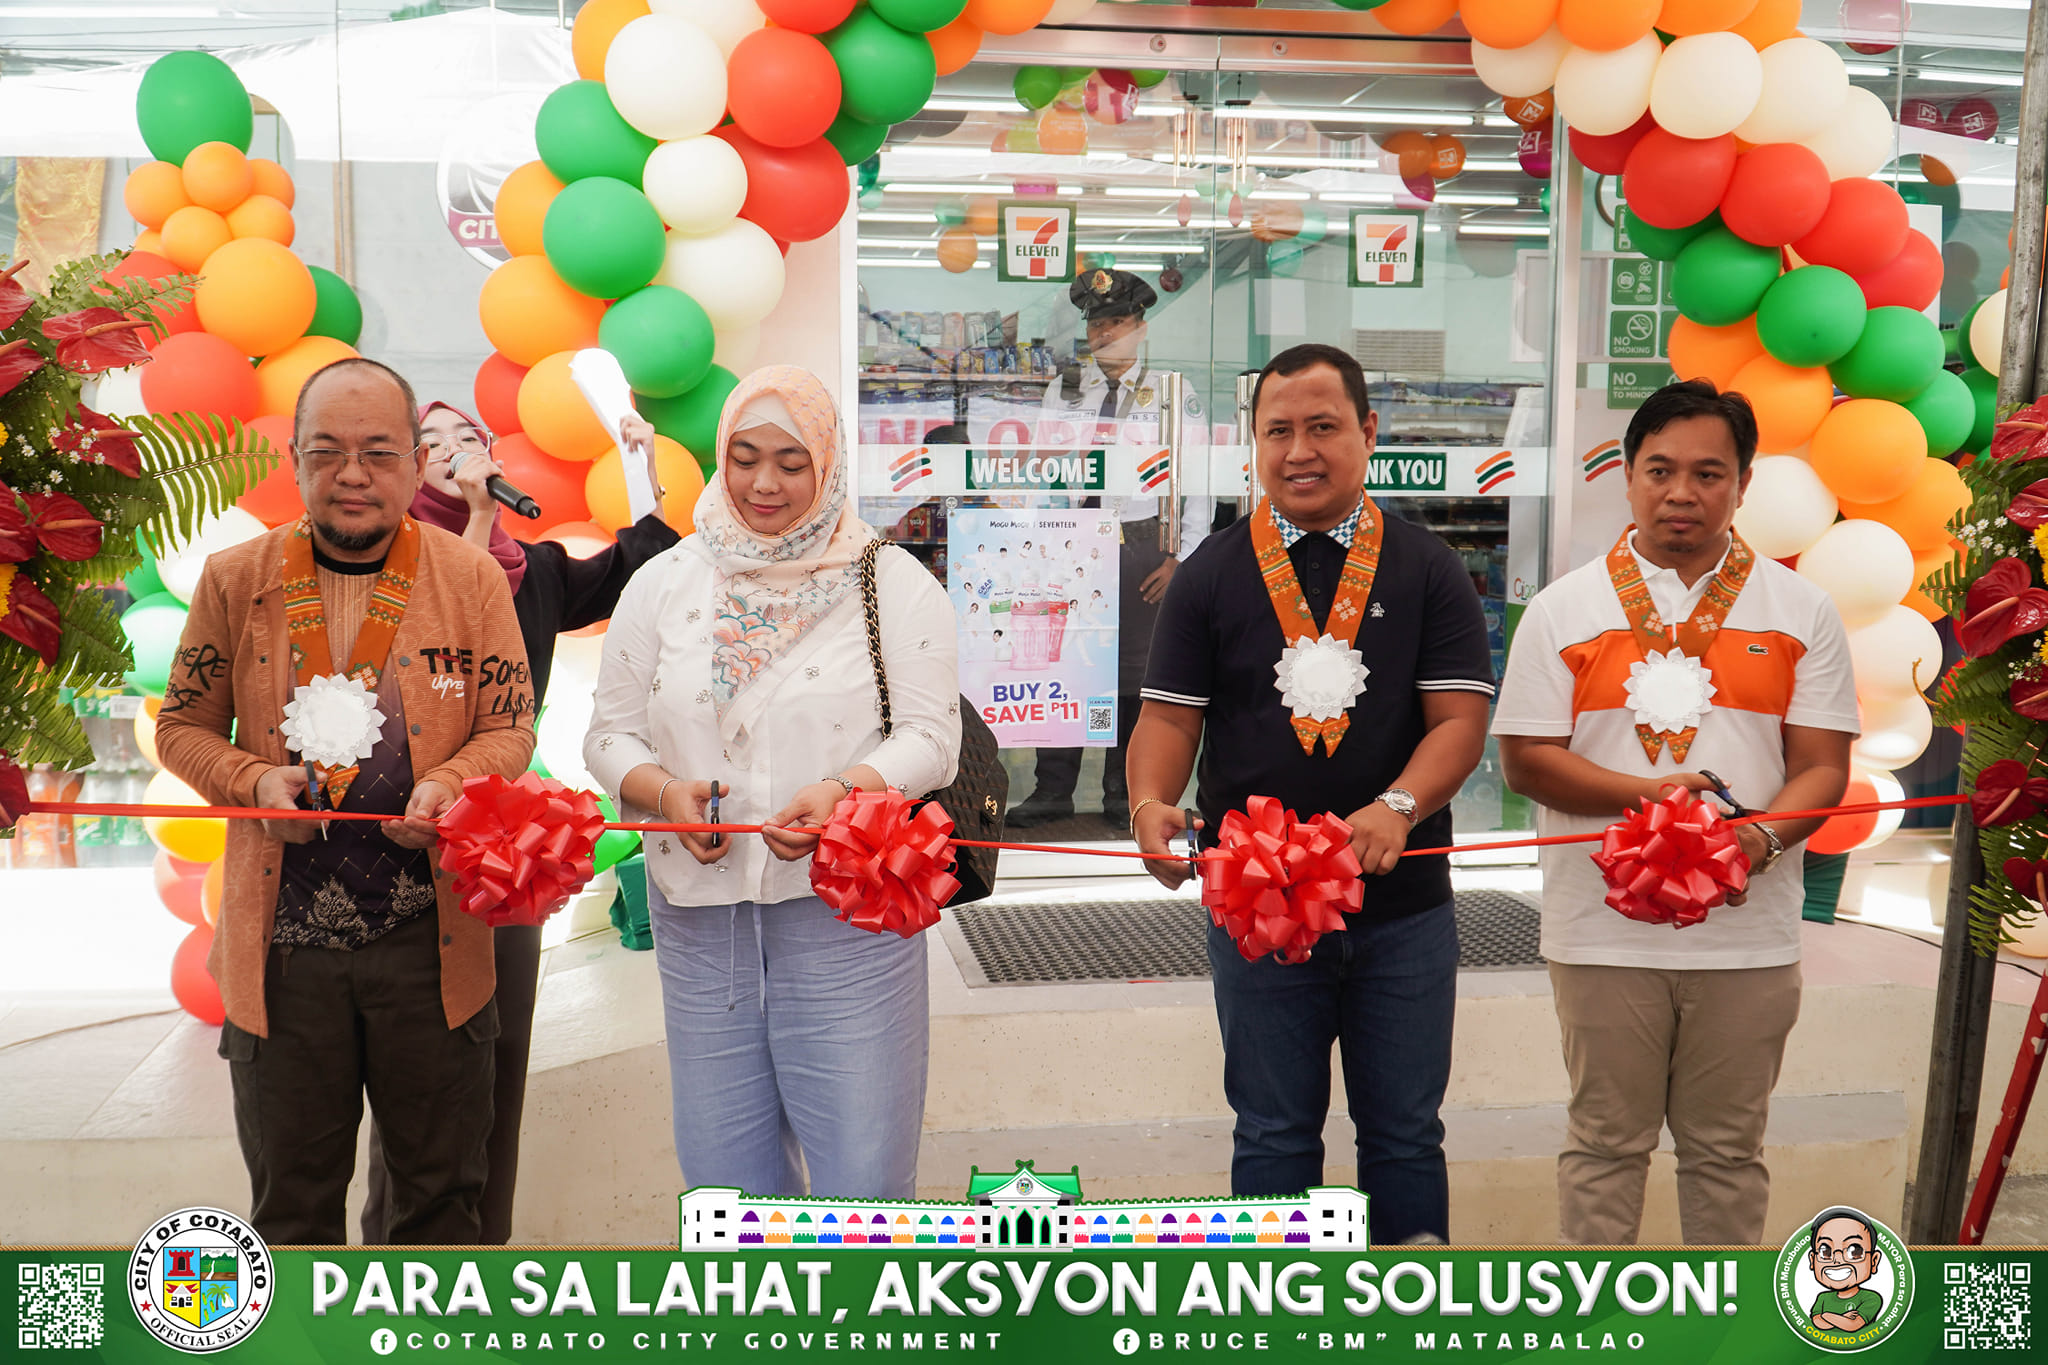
{"x":120,"y":773}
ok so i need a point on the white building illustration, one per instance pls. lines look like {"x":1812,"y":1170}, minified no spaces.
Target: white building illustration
{"x":1023,"y":1209}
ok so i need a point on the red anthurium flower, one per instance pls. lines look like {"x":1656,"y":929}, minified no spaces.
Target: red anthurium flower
{"x":2029,"y":877}
{"x":2002,"y":603}
{"x":28,"y":615}
{"x":94,"y":340}
{"x":64,"y":526}
{"x":17,"y":542}
{"x":2005,"y":795}
{"x":2020,"y":436}
{"x":13,"y":792}
{"x":18,"y":360}
{"x":100,"y":440}
{"x":2030,"y":694}
{"x":14,"y":300}
{"x":2030,"y":506}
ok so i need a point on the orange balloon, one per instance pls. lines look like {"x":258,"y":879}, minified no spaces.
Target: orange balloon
{"x":155,"y":190}
{"x":1840,"y":833}
{"x":523,"y":206}
{"x":1925,"y":566}
{"x":1415,"y":17}
{"x":1937,"y":172}
{"x":1868,"y":450}
{"x":211,"y":889}
{"x":1272,"y":222}
{"x":552,"y":412}
{"x":280,"y":377}
{"x":1605,"y":25}
{"x":1507,"y":23}
{"x":256,"y":296}
{"x":151,"y":241}
{"x":1006,"y":17}
{"x":1713,"y":353}
{"x":959,"y":249}
{"x":1533,"y":111}
{"x":1062,"y":131}
{"x":529,"y":314}
{"x":261,"y":216}
{"x":1411,"y":149}
{"x":981,"y":215}
{"x":581,"y":539}
{"x":191,"y":235}
{"x":274,"y":499}
{"x":217,"y":176}
{"x":272,"y":179}
{"x":1920,"y":514}
{"x":597,"y":23}
{"x":1446,"y":155}
{"x":1789,"y":402}
{"x":557,"y":485}
{"x":1686,"y":17}
{"x":1772,"y":21}
{"x":605,"y":490}
{"x":955,"y":45}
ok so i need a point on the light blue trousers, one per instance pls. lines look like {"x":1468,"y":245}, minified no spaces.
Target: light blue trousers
{"x":794,"y":1042}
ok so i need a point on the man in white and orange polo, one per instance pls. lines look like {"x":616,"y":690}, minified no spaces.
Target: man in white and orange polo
{"x":1604,"y":704}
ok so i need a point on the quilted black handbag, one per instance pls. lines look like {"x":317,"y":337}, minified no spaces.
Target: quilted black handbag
{"x":981,"y":787}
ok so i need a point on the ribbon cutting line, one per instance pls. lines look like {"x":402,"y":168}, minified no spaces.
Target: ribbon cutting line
{"x":263,"y":813}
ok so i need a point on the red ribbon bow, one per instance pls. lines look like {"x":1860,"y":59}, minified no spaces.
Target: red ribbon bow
{"x":883,"y":868}
{"x":518,"y":850}
{"x":1276,"y":883}
{"x":1671,"y":861}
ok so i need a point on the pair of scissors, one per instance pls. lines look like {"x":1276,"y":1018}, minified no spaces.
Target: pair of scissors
{"x":315,"y":799}
{"x":1194,"y":843}
{"x":711,"y":816}
{"x":1720,"y":789}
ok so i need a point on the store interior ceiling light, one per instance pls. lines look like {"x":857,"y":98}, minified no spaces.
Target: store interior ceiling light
{"x":1958,"y":77}
{"x":1502,"y":230}
{"x":1484,"y":200}
{"x":1868,"y":69}
{"x":1974,"y":4}
{"x":1392,"y":118}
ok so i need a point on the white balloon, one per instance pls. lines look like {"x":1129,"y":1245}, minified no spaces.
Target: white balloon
{"x":1706,"y":84}
{"x":1066,"y":11}
{"x":696,"y":184}
{"x":735,"y":273}
{"x":1786,"y":509}
{"x":726,"y":21}
{"x":118,"y":393}
{"x":1804,"y":85}
{"x":1864,"y":566}
{"x":1897,"y":655}
{"x":1603,"y":93}
{"x":180,"y":568}
{"x":1888,"y":789}
{"x":1858,"y":140}
{"x":1987,"y":332}
{"x":666,"y":76}
{"x":1896,"y":731}
{"x":1518,"y":72}
{"x":735,"y":349}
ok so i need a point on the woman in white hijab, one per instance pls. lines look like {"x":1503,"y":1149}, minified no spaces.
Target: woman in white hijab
{"x":739,"y":658}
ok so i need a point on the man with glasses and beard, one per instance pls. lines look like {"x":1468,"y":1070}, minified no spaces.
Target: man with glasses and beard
{"x":357,"y":661}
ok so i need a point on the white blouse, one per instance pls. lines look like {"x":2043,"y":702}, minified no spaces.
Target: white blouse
{"x":813,"y":713}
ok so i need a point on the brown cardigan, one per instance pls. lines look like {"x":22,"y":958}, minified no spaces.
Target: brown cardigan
{"x":463,"y":678}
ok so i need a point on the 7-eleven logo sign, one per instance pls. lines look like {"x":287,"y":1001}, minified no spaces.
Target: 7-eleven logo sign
{"x":1037,"y":241}
{"x":1388,"y":248}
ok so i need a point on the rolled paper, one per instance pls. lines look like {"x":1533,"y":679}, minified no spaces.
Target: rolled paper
{"x":1671,"y":861}
{"x":884,"y":862}
{"x":1276,"y":883}
{"x":519,"y":849}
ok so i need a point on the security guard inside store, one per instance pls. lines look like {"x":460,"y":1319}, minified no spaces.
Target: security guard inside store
{"x":1111,"y":399}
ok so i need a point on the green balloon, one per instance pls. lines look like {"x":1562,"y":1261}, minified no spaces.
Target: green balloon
{"x":662,"y":339}
{"x":1721,"y":278}
{"x":1664,"y":244}
{"x":885,"y":74}
{"x":1896,"y":358}
{"x":948,"y":215}
{"x":1361,"y":4}
{"x":1036,"y":86}
{"x":1315,"y":225}
{"x":145,"y":581}
{"x":1945,"y":410}
{"x":691,"y":418}
{"x":1145,"y":80}
{"x":337,"y":312}
{"x":918,"y":16}
{"x":603,"y":238}
{"x":153,"y":626}
{"x":581,"y":134}
{"x":1284,"y":258}
{"x":187,"y":98}
{"x":1949,"y":197}
{"x":857,"y":141}
{"x":868,"y":174}
{"x":1543,"y":199}
{"x":614,"y":845}
{"x":1983,"y":386}
{"x":1951,"y":346}
{"x":1811,"y":316}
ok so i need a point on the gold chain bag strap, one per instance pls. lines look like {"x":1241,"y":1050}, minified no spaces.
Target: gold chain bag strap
{"x":981,"y":787}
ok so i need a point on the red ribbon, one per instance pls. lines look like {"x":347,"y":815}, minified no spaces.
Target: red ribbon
{"x":1671,"y":861}
{"x":518,"y":850}
{"x":1276,"y":884}
{"x":882,"y":868}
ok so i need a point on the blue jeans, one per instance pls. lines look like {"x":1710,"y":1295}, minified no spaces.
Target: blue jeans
{"x":794,"y":1042}
{"x":1386,"y":992}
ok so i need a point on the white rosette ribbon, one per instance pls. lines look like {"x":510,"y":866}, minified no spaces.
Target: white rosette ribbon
{"x":332,"y":721}
{"x":1669,"y":692}
{"x":1319,"y":679}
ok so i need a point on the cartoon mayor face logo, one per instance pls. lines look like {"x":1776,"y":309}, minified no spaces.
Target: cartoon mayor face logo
{"x":1844,"y":1281}
{"x":200,"y":1280}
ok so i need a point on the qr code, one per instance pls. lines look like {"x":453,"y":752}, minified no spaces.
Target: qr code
{"x":60,"y":1306}
{"x":1985,"y":1307}
{"x":1101,"y":719}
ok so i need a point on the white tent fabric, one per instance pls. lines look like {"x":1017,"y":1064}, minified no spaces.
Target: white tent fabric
{"x":369,"y":92}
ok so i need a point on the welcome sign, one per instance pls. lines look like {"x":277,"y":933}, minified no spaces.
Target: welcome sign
{"x":1036,"y":242}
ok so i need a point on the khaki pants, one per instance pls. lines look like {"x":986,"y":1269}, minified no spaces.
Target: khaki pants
{"x":1697,"y":1049}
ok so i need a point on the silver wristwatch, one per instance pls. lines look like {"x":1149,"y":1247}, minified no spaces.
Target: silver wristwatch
{"x":1402,"y":803}
{"x":1774,"y":849}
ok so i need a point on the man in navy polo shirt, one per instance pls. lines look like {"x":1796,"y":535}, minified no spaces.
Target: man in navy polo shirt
{"x":1323,"y":653}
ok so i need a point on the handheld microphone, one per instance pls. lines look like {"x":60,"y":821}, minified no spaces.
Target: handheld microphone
{"x":501,"y":489}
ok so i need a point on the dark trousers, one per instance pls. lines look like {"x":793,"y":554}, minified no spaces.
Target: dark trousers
{"x":1058,"y":771}
{"x":517,"y":948}
{"x":1383,"y":991}
{"x":346,"y":1024}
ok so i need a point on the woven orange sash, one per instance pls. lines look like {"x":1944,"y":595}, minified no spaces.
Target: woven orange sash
{"x":1354,"y":589}
{"x":1693,"y":636}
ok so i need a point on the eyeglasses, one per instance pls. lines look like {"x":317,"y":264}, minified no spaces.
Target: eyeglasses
{"x":1847,"y":1253}
{"x":442,"y":445}
{"x":322,"y":460}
